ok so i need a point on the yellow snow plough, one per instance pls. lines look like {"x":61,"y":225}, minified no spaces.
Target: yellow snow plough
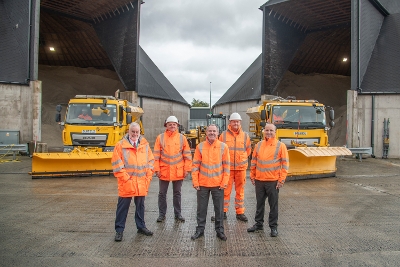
{"x":301,"y":126}
{"x":93,"y":124}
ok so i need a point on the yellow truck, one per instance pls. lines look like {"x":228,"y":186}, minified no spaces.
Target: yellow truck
{"x":198,"y":135}
{"x":302,"y":126}
{"x":93,"y":124}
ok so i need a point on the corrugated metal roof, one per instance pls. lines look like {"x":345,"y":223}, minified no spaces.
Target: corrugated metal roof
{"x":326,"y":25}
{"x":392,"y":6}
{"x":382,"y":73}
{"x":153,"y":83}
{"x":247,"y":87}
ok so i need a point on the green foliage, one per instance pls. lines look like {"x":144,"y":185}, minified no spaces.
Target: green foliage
{"x":199,"y":103}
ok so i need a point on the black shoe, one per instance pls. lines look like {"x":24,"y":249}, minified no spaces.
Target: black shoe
{"x":213,"y":217}
{"x":241,"y":217}
{"x":180,"y":218}
{"x":254,"y":228}
{"x":160,"y":218}
{"x":118,"y":236}
{"x":197,"y":235}
{"x":221,"y":236}
{"x":145,"y":231}
{"x":274,"y":232}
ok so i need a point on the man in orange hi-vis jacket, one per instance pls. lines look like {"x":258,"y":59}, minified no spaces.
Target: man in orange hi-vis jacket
{"x":132,"y":162}
{"x":172,"y":163}
{"x":268,"y":171}
{"x":239,"y":145}
{"x":210,"y":174}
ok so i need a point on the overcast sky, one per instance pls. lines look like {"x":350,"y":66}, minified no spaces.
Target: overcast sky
{"x":195,"y":42}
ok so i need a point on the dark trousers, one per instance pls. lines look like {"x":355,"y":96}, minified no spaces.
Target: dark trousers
{"x":266,"y":190}
{"x":122,"y":212}
{"x":203,"y":196}
{"x":162,"y":197}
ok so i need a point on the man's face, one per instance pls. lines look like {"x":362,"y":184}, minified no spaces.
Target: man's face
{"x":235,"y":124}
{"x":172,"y":126}
{"x":269,"y":131}
{"x":212,"y":133}
{"x":134,"y":133}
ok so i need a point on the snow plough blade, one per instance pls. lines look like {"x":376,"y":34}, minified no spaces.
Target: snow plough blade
{"x":314,"y":162}
{"x":71,"y":164}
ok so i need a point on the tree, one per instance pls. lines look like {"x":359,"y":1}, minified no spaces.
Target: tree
{"x":198,"y":103}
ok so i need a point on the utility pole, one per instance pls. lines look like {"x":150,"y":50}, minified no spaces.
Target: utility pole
{"x":210,"y":98}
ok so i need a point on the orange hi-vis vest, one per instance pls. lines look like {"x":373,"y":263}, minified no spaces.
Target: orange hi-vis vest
{"x":211,"y":164}
{"x":239,"y":147}
{"x":133,"y":167}
{"x":270,"y":161}
{"x":172,"y":156}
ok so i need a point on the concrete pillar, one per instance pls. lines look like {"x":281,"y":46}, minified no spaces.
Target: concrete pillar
{"x":36,"y":87}
{"x":352,"y":119}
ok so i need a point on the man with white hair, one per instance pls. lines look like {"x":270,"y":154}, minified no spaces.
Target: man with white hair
{"x":132,"y":162}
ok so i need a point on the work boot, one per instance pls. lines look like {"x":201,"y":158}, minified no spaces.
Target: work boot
{"x":274,"y":232}
{"x":213,"y":217}
{"x":180,"y":218}
{"x":145,"y":231}
{"x":197,"y":235}
{"x":221,"y":236}
{"x":160,"y":218}
{"x":118,"y":236}
{"x":254,"y":228}
{"x":241,"y":217}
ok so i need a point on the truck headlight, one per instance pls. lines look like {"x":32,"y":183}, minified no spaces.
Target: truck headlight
{"x":108,"y":149}
{"x":68,"y":149}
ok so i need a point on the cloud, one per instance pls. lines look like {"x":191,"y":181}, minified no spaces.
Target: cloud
{"x":201,"y":41}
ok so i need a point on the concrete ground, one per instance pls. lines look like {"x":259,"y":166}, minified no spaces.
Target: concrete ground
{"x":350,"y":220}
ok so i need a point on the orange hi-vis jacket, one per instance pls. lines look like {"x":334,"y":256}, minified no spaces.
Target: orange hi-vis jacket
{"x":211,"y":164}
{"x":172,"y":156}
{"x":133,"y":167}
{"x":270,"y":161}
{"x":239,"y":147}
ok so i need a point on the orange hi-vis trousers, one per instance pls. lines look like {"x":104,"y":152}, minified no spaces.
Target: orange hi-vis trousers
{"x":239,"y":178}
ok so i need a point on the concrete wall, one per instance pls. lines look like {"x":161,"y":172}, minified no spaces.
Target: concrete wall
{"x":359,"y":130}
{"x":239,"y":107}
{"x":20,"y":109}
{"x":156,"y":111}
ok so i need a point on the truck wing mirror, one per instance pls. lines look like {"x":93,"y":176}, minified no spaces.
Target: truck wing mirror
{"x":332,"y":114}
{"x":58,"y":117}
{"x":263,"y":114}
{"x":128,"y":118}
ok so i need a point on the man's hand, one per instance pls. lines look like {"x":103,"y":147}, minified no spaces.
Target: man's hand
{"x":185,"y":174}
{"x":197,"y":188}
{"x":157,"y":174}
{"x":279,"y":185}
{"x":253,"y":181}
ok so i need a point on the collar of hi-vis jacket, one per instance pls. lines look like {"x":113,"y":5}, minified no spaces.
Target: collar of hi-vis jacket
{"x":140,"y":141}
{"x":232,"y":132}
{"x":169,"y":133}
{"x":270,"y":141}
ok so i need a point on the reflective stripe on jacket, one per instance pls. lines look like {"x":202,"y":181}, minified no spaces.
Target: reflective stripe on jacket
{"x":270,"y":161}
{"x":133,"y":167}
{"x":172,"y":156}
{"x":211,"y":165}
{"x":239,"y":147}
